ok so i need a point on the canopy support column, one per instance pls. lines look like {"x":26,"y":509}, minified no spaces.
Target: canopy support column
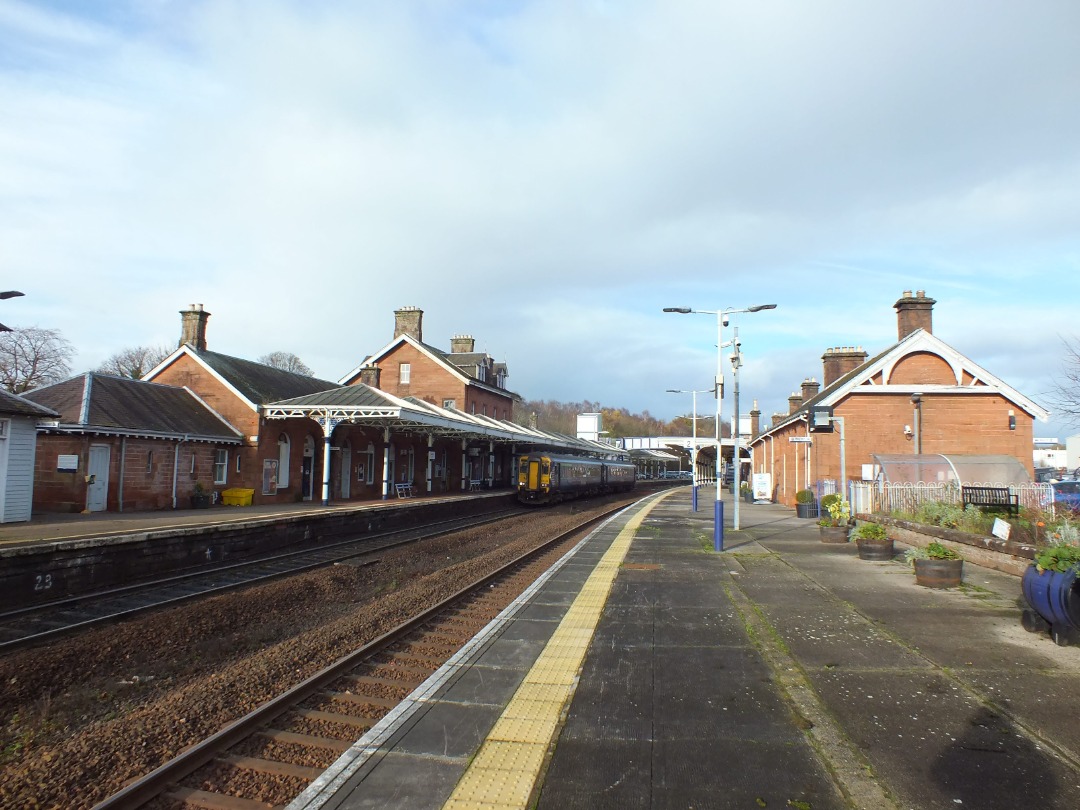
{"x":430,"y":459}
{"x":386,"y":464}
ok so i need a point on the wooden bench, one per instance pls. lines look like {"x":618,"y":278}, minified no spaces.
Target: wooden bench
{"x":990,"y":498}
{"x":404,"y":490}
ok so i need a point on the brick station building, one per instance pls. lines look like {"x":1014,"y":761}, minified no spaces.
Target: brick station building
{"x":919,"y":396}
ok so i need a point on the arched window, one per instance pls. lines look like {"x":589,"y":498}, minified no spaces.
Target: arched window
{"x":283,"y":452}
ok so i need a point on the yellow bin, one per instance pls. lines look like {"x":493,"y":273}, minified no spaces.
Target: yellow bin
{"x":237,"y":497}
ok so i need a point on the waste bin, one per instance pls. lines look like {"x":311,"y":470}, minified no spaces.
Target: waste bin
{"x":237,"y":497}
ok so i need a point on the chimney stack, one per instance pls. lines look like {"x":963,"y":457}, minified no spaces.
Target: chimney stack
{"x":462,"y":344}
{"x":794,"y":402}
{"x":193,"y":327}
{"x":810,"y":388}
{"x":777,"y":418}
{"x":409,"y":321}
{"x":840,"y":361}
{"x":914,"y":312}
{"x":755,"y":421}
{"x":370,"y":376}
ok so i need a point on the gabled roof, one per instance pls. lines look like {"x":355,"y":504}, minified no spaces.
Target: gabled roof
{"x":102,"y":403}
{"x":444,"y":359}
{"x":14,"y":405}
{"x":256,"y":383}
{"x":860,"y":379}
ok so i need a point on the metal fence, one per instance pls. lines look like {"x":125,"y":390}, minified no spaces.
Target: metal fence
{"x":869,"y":497}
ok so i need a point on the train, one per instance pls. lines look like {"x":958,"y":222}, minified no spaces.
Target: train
{"x":544,"y":478}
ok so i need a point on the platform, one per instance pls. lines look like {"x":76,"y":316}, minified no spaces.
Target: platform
{"x":647,"y":671}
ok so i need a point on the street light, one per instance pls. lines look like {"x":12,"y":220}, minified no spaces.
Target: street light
{"x":721,"y":322}
{"x":4,"y":296}
{"x":693,"y":445}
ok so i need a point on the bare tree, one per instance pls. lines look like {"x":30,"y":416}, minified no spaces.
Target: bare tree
{"x":1065,"y":396}
{"x":286,"y":361}
{"x":134,"y":362}
{"x":32,"y":357}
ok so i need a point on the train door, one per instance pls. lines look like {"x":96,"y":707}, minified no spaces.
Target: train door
{"x":532,"y":480}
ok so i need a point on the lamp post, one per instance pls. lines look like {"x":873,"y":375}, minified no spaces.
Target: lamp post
{"x":721,"y":322}
{"x":693,"y":445}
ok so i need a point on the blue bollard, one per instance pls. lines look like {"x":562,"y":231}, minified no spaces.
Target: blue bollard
{"x":718,"y":528}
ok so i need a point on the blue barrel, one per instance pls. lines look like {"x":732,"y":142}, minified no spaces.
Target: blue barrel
{"x":1054,"y":596}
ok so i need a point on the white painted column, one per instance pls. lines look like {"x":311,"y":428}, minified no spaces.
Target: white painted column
{"x":386,"y":464}
{"x":430,"y":460}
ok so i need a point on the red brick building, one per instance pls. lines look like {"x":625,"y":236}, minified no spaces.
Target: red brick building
{"x":919,"y":396}
{"x":462,"y":379}
{"x":124,"y":445}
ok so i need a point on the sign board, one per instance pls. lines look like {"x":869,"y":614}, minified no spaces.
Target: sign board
{"x":762,"y":483}
{"x":269,"y":476}
{"x":67,"y":463}
{"x":1001,"y":528}
{"x":821,"y":419}
{"x":801,"y":440}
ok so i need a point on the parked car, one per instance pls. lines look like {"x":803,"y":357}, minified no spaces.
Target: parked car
{"x":1067,"y":493}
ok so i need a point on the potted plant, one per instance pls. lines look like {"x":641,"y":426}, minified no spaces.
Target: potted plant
{"x":805,"y":506}
{"x":936,"y":565}
{"x":874,"y":542}
{"x":1050,"y":586}
{"x":835,"y":519}
{"x":201,"y":497}
{"x":746,"y":491}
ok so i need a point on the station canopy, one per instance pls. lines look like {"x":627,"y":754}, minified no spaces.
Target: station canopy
{"x":940,"y":468}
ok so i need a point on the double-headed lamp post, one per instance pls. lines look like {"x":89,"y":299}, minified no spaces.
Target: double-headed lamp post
{"x":721,"y":322}
{"x":693,"y":443}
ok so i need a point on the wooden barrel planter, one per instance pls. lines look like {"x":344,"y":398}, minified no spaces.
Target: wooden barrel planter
{"x":876,"y":550}
{"x":931,"y":573}
{"x":1055,"y":597}
{"x":834,"y":534}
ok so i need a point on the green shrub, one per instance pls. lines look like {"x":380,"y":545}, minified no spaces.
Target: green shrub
{"x":829,"y":500}
{"x":871,"y":531}
{"x":1061,"y":557}
{"x":804,"y":496}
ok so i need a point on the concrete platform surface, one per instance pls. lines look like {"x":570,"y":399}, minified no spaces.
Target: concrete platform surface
{"x":782,"y":672}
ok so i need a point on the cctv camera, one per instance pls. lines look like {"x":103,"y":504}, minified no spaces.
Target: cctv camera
{"x":725,"y":320}
{"x":916,"y":397}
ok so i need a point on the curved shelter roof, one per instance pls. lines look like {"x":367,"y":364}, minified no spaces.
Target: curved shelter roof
{"x":939,"y":468}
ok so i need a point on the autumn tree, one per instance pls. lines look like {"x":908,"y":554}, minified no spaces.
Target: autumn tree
{"x":134,"y":362}
{"x":286,"y":361}
{"x":32,"y":357}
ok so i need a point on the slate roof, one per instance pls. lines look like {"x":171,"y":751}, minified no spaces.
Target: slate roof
{"x":121,"y":406}
{"x":259,"y":383}
{"x":13,"y":405}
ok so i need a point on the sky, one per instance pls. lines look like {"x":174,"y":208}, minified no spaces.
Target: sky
{"x":546,"y":177}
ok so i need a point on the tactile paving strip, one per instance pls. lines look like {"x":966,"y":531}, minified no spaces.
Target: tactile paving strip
{"x":505,"y":768}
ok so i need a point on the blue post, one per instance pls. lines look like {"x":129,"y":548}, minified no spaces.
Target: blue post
{"x":693,"y":496}
{"x":718,"y":528}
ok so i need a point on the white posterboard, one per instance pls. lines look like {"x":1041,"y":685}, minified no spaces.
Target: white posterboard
{"x":762,"y":486}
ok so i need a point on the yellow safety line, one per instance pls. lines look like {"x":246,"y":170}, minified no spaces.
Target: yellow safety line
{"x":505,"y":768}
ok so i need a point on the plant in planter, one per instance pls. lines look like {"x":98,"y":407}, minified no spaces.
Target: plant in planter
{"x":874,"y":542}
{"x":835,"y":519}
{"x":746,"y":491}
{"x":201,"y":497}
{"x":1051,"y":587}
{"x":936,"y":565}
{"x":805,"y":506}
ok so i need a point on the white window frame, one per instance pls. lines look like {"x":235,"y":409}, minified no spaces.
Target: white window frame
{"x":370,"y":454}
{"x":449,"y":403}
{"x":404,"y":373}
{"x":5,"y":428}
{"x":221,"y":466}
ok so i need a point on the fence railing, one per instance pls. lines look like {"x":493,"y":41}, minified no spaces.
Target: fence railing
{"x":868,"y":497}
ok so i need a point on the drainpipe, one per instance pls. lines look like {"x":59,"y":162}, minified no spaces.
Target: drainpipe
{"x":175,"y":469}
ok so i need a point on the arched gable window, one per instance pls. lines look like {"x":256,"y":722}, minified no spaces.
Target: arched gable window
{"x":283,"y":450}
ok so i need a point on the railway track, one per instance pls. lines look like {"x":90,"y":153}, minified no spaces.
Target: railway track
{"x":267,"y":757}
{"x":32,"y":625}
